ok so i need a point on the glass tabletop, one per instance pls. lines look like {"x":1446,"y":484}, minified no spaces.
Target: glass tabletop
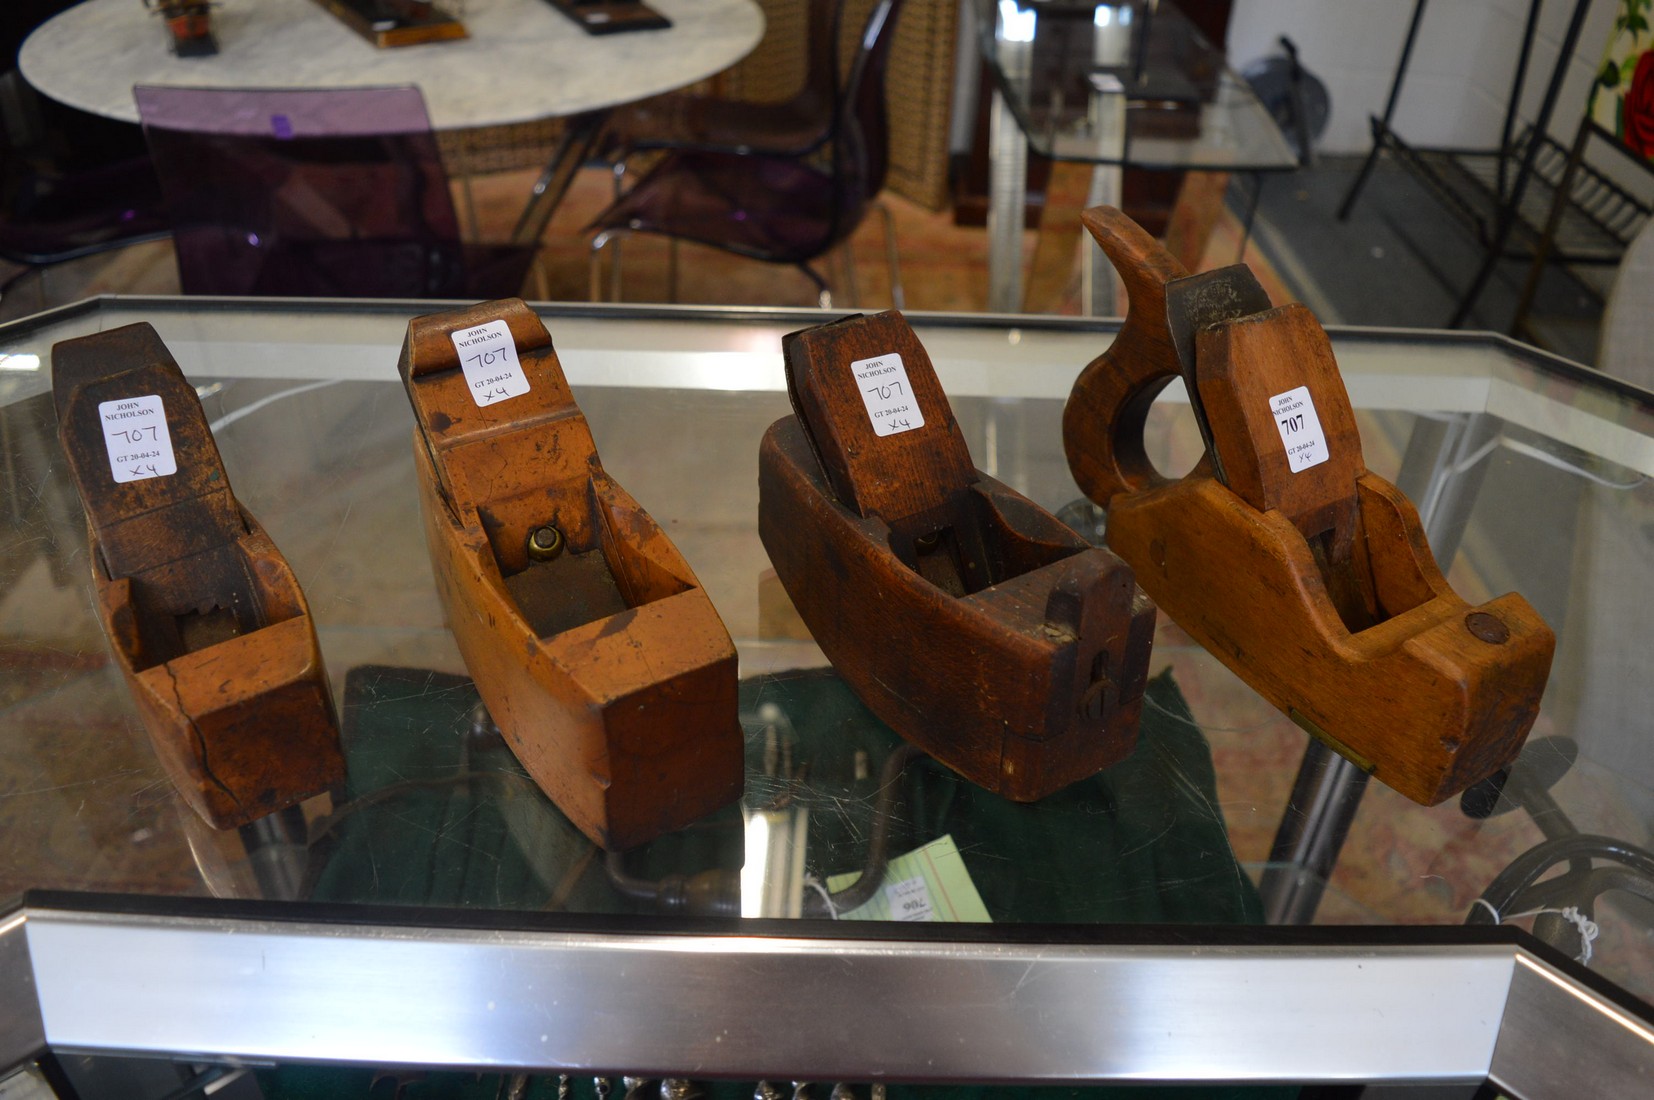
{"x":1530,"y":473}
{"x":1129,"y":83}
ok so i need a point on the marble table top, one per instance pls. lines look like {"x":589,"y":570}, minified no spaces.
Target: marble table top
{"x":523,"y":61}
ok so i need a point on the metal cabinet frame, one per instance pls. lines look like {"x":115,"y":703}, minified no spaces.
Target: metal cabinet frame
{"x":259,"y":983}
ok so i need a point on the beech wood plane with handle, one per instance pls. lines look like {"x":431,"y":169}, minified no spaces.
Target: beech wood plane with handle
{"x":969,"y":619}
{"x":592,"y":644}
{"x":1281,"y":553}
{"x":203,"y":614}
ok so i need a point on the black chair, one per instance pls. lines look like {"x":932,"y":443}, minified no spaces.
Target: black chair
{"x":783,"y":207}
{"x":684,"y":120}
{"x":329,"y":192}
{"x":71,"y":184}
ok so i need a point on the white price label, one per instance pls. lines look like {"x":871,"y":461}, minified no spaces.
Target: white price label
{"x":488,"y":356}
{"x":887,"y":394}
{"x":909,"y":900}
{"x":135,"y":433}
{"x":1300,"y":428}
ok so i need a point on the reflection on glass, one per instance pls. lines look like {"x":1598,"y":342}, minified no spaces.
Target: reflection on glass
{"x":1062,"y":66}
{"x":1550,"y":497}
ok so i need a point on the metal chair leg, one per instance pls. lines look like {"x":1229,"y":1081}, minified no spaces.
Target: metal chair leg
{"x":572,"y":150}
{"x":824,"y":295}
{"x":542,"y":283}
{"x":847,"y":257}
{"x":594,"y":283}
{"x":898,"y":296}
{"x":595,"y":265}
{"x":614,"y":270}
{"x":470,"y":201}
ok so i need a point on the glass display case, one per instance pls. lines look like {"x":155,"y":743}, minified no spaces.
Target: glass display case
{"x":437,"y":911}
{"x":1111,"y":83}
{"x":1126,"y":83}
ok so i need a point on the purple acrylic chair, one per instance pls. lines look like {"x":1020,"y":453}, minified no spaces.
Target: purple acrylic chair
{"x":684,"y":120}
{"x":335,"y":192}
{"x":48,"y":217}
{"x":780,"y":207}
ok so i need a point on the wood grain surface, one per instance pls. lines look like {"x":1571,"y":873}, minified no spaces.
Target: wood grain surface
{"x":203,"y":614}
{"x":1309,"y":576}
{"x":1103,"y":421}
{"x":967,"y":618}
{"x":606,"y":667}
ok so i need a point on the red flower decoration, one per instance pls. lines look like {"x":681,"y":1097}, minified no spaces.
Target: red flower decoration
{"x":1638,"y":107}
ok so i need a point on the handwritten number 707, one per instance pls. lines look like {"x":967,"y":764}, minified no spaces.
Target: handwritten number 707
{"x":884,"y":392}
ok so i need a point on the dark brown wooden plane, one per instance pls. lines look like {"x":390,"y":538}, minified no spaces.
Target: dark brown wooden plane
{"x":202,"y":612}
{"x":591,"y":642}
{"x":1281,"y":553}
{"x":968,"y":618}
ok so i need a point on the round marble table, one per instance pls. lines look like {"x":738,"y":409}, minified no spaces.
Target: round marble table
{"x":523,"y":61}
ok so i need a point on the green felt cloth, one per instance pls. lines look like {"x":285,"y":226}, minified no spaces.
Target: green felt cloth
{"x":435,"y":815}
{"x":1142,"y":842}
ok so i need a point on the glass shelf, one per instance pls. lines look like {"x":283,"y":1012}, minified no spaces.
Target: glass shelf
{"x":1071,"y":70}
{"x":1530,"y":473}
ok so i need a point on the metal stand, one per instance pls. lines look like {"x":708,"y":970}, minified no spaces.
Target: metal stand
{"x":279,"y":852}
{"x":1553,"y":221}
{"x":1007,"y":192}
{"x":1381,"y":125}
{"x":1513,"y":202}
{"x":1100,"y":291}
{"x":1509,"y":199}
{"x":571,"y":152}
{"x":1325,"y":797}
{"x":1008,"y":180}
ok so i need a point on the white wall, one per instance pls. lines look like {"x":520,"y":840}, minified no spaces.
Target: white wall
{"x":1461,"y":70}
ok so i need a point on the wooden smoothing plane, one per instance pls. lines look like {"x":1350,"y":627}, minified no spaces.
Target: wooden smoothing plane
{"x":592,"y":644}
{"x":202,"y":612}
{"x":969,"y":619}
{"x":1281,"y":553}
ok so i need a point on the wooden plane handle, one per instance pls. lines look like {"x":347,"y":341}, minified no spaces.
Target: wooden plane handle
{"x":1102,"y":424}
{"x":148,"y":522}
{"x":444,"y":396}
{"x":1280,"y":420}
{"x":487,"y":452}
{"x":876,"y":417}
{"x":430,"y":347}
